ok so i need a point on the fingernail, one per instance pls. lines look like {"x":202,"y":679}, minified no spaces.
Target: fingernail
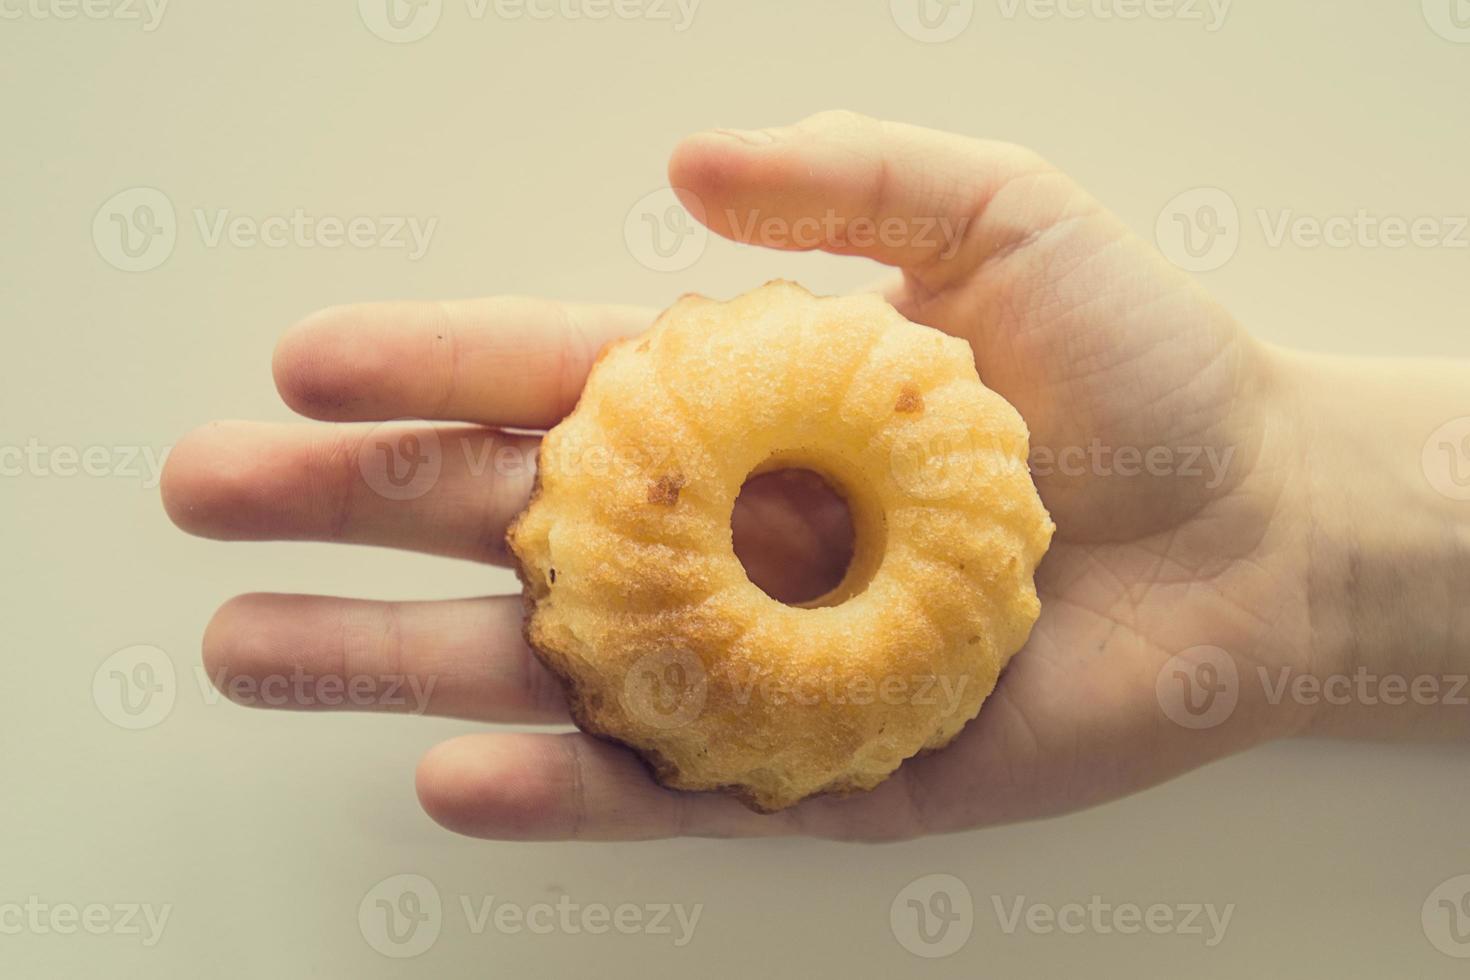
{"x":750,"y":137}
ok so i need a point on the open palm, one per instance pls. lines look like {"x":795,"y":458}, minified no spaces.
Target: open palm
{"x":1159,"y":446}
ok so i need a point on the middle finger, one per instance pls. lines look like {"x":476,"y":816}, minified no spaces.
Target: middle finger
{"x":444,"y":490}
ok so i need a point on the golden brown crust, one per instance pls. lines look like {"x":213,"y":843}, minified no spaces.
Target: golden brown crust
{"x":910,"y":400}
{"x":665,"y":490}
{"x":634,"y":599}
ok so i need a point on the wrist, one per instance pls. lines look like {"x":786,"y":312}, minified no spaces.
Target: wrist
{"x":1386,"y":539}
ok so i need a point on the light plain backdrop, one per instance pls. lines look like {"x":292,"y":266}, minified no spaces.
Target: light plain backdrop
{"x":530,"y":140}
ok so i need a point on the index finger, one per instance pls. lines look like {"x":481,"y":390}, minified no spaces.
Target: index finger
{"x":503,"y":361}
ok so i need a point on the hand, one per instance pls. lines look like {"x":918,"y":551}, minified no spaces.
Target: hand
{"x":1117,"y":361}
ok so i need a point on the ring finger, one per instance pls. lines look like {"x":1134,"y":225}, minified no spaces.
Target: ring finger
{"x":461,"y":659}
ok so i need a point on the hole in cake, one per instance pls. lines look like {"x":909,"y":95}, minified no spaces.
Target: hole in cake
{"x":794,"y":535}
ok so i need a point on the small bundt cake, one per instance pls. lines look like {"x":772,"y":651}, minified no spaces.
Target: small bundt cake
{"x":635,"y":597}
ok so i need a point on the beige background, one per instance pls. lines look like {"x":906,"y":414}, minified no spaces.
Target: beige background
{"x":530,"y":141}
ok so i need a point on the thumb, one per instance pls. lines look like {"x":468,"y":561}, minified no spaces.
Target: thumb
{"x":839,"y":182}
